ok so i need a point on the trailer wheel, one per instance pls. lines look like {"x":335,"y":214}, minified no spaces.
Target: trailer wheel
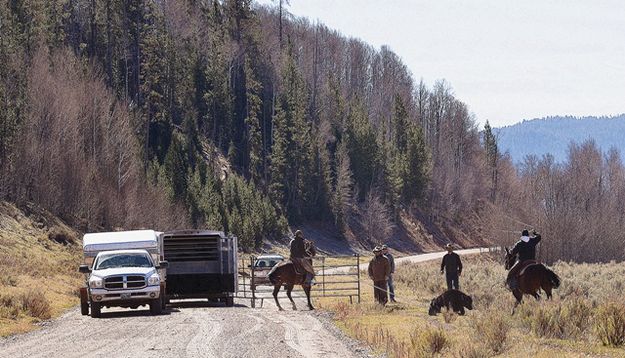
{"x":96,"y":310}
{"x":156,"y":306}
{"x":229,"y":301}
{"x":164,"y":298}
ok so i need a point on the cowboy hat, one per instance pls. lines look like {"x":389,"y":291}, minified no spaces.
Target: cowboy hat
{"x":298,"y":233}
{"x":377,"y":249}
{"x":384,"y":247}
{"x":448,"y":246}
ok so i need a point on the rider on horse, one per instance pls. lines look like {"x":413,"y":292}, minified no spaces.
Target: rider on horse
{"x":301,"y":258}
{"x":525,"y":249}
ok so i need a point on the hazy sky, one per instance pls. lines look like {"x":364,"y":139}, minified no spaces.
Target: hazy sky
{"x":509,"y":60}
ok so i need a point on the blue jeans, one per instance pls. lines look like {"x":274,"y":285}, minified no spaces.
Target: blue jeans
{"x":452,"y":281}
{"x":391,"y":287}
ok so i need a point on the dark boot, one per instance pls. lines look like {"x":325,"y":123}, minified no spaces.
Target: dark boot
{"x":513,"y":283}
{"x":309,"y":279}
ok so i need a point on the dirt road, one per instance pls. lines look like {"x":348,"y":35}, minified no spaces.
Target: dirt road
{"x":188,"y":330}
{"x":193,"y":330}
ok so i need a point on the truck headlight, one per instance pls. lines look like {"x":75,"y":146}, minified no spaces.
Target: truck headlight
{"x":95,"y":282}
{"x":154,"y":280}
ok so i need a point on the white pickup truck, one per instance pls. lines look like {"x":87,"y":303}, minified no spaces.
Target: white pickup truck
{"x":121,"y":271}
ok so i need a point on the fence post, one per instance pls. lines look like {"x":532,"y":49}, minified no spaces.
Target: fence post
{"x":252,"y":288}
{"x":358,"y":271}
{"x":323,"y":275}
{"x":243,"y":275}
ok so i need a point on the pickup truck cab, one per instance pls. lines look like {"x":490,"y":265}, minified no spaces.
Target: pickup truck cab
{"x":122,"y":269}
{"x":123,"y":278}
{"x":262,"y":267}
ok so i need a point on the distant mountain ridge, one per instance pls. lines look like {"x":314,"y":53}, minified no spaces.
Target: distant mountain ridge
{"x":553,"y":135}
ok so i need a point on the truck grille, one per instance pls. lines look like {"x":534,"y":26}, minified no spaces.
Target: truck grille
{"x":191,"y":248}
{"x":124,"y":281}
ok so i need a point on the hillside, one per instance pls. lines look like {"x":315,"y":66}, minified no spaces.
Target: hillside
{"x":553,"y":135}
{"x":39,"y":258}
{"x":157,"y":98}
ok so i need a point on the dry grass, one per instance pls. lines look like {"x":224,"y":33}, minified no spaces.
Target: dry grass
{"x":39,"y":256}
{"x":610,"y":324}
{"x":579,"y":321}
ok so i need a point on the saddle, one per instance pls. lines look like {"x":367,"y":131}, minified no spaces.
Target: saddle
{"x":524,"y":265}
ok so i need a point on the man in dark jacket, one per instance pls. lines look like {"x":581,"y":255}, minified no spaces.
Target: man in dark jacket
{"x":452,"y":266}
{"x":525,"y":250}
{"x":390,"y":284}
{"x":379,"y":271}
{"x":300,"y":258}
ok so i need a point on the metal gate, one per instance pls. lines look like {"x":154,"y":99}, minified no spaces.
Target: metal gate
{"x":336,"y":276}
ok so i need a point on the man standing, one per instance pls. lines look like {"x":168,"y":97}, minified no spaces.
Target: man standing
{"x":453,"y":267}
{"x":379,"y":271}
{"x":301,"y":258}
{"x":391,"y":261}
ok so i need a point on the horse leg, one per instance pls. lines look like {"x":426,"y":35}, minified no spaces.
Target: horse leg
{"x":536,"y":296}
{"x":307,"y":291}
{"x":519,"y":296}
{"x":276,"y":289}
{"x":289,"y":288}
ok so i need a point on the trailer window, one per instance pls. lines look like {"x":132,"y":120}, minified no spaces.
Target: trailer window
{"x":122,"y":260}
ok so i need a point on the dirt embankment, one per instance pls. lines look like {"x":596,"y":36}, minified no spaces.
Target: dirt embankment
{"x":39,"y":257}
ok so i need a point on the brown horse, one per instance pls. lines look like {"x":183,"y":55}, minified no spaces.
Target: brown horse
{"x":532,"y":278}
{"x":285,"y":274}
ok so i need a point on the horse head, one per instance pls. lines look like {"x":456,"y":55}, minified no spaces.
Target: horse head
{"x":509,"y":259}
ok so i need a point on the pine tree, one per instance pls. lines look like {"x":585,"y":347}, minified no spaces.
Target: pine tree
{"x":175,"y":169}
{"x":292,"y":155}
{"x":254,"y":141}
{"x":492,"y":157}
{"x":154,"y":72}
{"x":399,"y":124}
{"x":363,"y":148}
{"x":278,"y":160}
{"x":418,"y":166}
{"x":342,"y":201}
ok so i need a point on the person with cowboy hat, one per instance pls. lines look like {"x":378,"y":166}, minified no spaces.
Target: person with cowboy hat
{"x":301,"y":258}
{"x":452,"y":266}
{"x":391,"y":261}
{"x":525,"y":251}
{"x":379,"y":272}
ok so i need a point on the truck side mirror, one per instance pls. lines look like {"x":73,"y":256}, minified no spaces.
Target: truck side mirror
{"x":84,"y":269}
{"x":163,"y":264}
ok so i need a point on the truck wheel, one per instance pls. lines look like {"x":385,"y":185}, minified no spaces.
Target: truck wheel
{"x":84,"y":308}
{"x":84,"y":302}
{"x":156,"y":306}
{"x":229,"y":301}
{"x":96,"y":310}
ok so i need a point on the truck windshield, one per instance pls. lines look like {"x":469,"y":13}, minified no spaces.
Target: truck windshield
{"x":122,"y":260}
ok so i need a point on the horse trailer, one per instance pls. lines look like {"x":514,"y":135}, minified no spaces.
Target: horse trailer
{"x":202,"y":264}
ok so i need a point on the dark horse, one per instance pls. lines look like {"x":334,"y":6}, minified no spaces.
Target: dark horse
{"x":285,"y":274}
{"x":532,"y":278}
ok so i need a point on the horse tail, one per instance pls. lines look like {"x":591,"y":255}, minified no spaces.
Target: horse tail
{"x":553,"y":278}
